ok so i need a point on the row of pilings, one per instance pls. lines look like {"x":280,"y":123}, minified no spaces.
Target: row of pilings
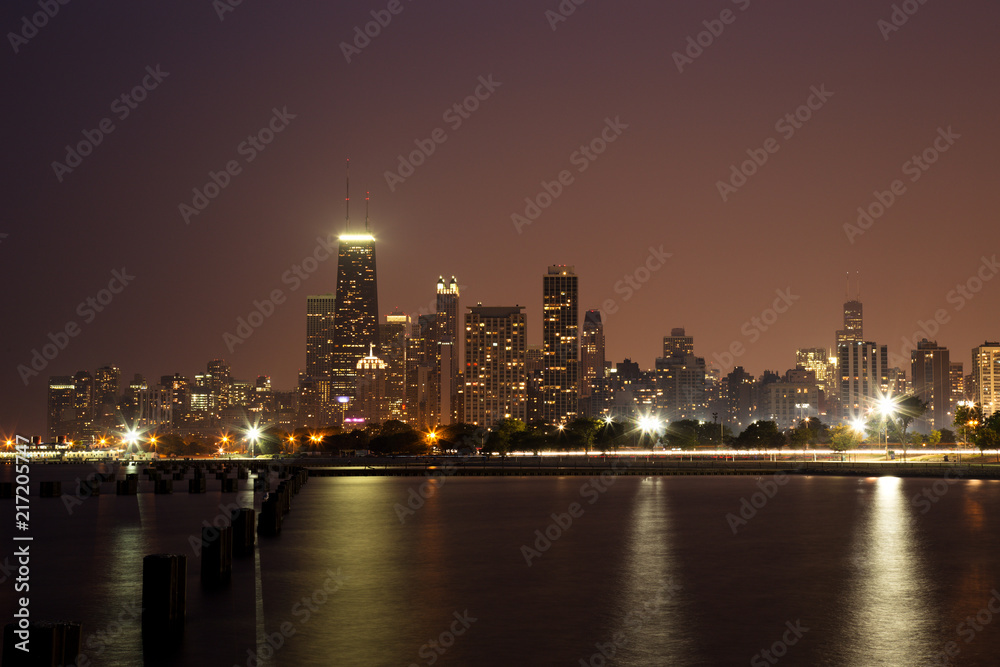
{"x":164,"y":576}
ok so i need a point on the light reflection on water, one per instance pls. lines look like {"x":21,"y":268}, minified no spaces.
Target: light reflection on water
{"x":877,"y":580}
{"x":889,"y":601}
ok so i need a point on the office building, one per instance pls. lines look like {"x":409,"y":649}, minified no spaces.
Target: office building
{"x":495,"y":346}
{"x":560,"y":344}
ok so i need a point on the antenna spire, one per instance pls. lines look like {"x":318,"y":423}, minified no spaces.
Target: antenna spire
{"x":367,"y":197}
{"x":347,"y":198}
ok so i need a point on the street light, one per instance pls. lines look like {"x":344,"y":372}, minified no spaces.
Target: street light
{"x":253,"y":435}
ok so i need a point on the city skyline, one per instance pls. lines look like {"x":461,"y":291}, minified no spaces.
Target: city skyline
{"x":801,"y":143}
{"x":841,"y":383}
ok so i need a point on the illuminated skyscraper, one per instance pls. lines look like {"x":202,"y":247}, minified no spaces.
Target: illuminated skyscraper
{"x":393,"y":334}
{"x":853,"y":331}
{"x":319,"y":347}
{"x":370,"y":397}
{"x":61,"y":413}
{"x":495,"y":344}
{"x":931,"y":373}
{"x":355,"y":320}
{"x":864,"y":377}
{"x":447,"y":353}
{"x":592,"y":358}
{"x":986,"y":376}
{"x":560,"y":344}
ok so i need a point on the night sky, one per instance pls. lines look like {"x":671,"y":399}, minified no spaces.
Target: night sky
{"x":885,"y":96}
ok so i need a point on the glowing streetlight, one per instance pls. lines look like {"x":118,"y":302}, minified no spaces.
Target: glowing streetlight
{"x":253,"y":436}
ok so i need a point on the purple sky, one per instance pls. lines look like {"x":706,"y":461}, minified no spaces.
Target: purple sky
{"x":656,"y":185}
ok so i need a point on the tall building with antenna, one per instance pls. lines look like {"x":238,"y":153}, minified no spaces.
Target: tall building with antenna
{"x":355,"y":319}
{"x":853,"y":330}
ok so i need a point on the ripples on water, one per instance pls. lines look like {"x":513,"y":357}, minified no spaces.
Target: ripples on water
{"x":650,"y":573}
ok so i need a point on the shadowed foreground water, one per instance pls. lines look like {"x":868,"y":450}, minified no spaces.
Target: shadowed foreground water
{"x":828,"y":571}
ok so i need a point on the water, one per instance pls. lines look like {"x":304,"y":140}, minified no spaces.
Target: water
{"x":829,"y":571}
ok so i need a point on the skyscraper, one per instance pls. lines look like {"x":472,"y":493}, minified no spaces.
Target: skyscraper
{"x":448,"y":342}
{"x":592,"y":358}
{"x":986,"y":376}
{"x":495,"y":344}
{"x":392,"y":334}
{"x":61,"y":398}
{"x":864,"y":376}
{"x":560,"y":344}
{"x":319,"y":347}
{"x":931,"y":374}
{"x":355,"y":321}
{"x":853,"y":330}
{"x":370,"y":395}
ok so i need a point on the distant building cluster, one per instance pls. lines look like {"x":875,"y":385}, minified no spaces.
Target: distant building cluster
{"x":477,"y":367}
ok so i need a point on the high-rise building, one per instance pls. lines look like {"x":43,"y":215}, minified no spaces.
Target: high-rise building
{"x":986,"y":376}
{"x":61,"y":400}
{"x":495,"y":346}
{"x":533,"y":366}
{"x":790,"y":400}
{"x":83,"y":383}
{"x":107,"y":384}
{"x":392,"y":350}
{"x":677,"y":344}
{"x":448,"y":342}
{"x":853,"y":331}
{"x":319,"y":345}
{"x":370,"y":400}
{"x":180,"y":394}
{"x":864,"y":377}
{"x":957,"y":372}
{"x":155,"y":408}
{"x":560,"y":344}
{"x":219,"y":380}
{"x":592,"y":363}
{"x":817,"y":360}
{"x":355,"y":321}
{"x":680,"y":378}
{"x":931,"y":376}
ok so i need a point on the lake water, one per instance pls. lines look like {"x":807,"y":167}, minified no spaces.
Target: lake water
{"x":658,"y":571}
